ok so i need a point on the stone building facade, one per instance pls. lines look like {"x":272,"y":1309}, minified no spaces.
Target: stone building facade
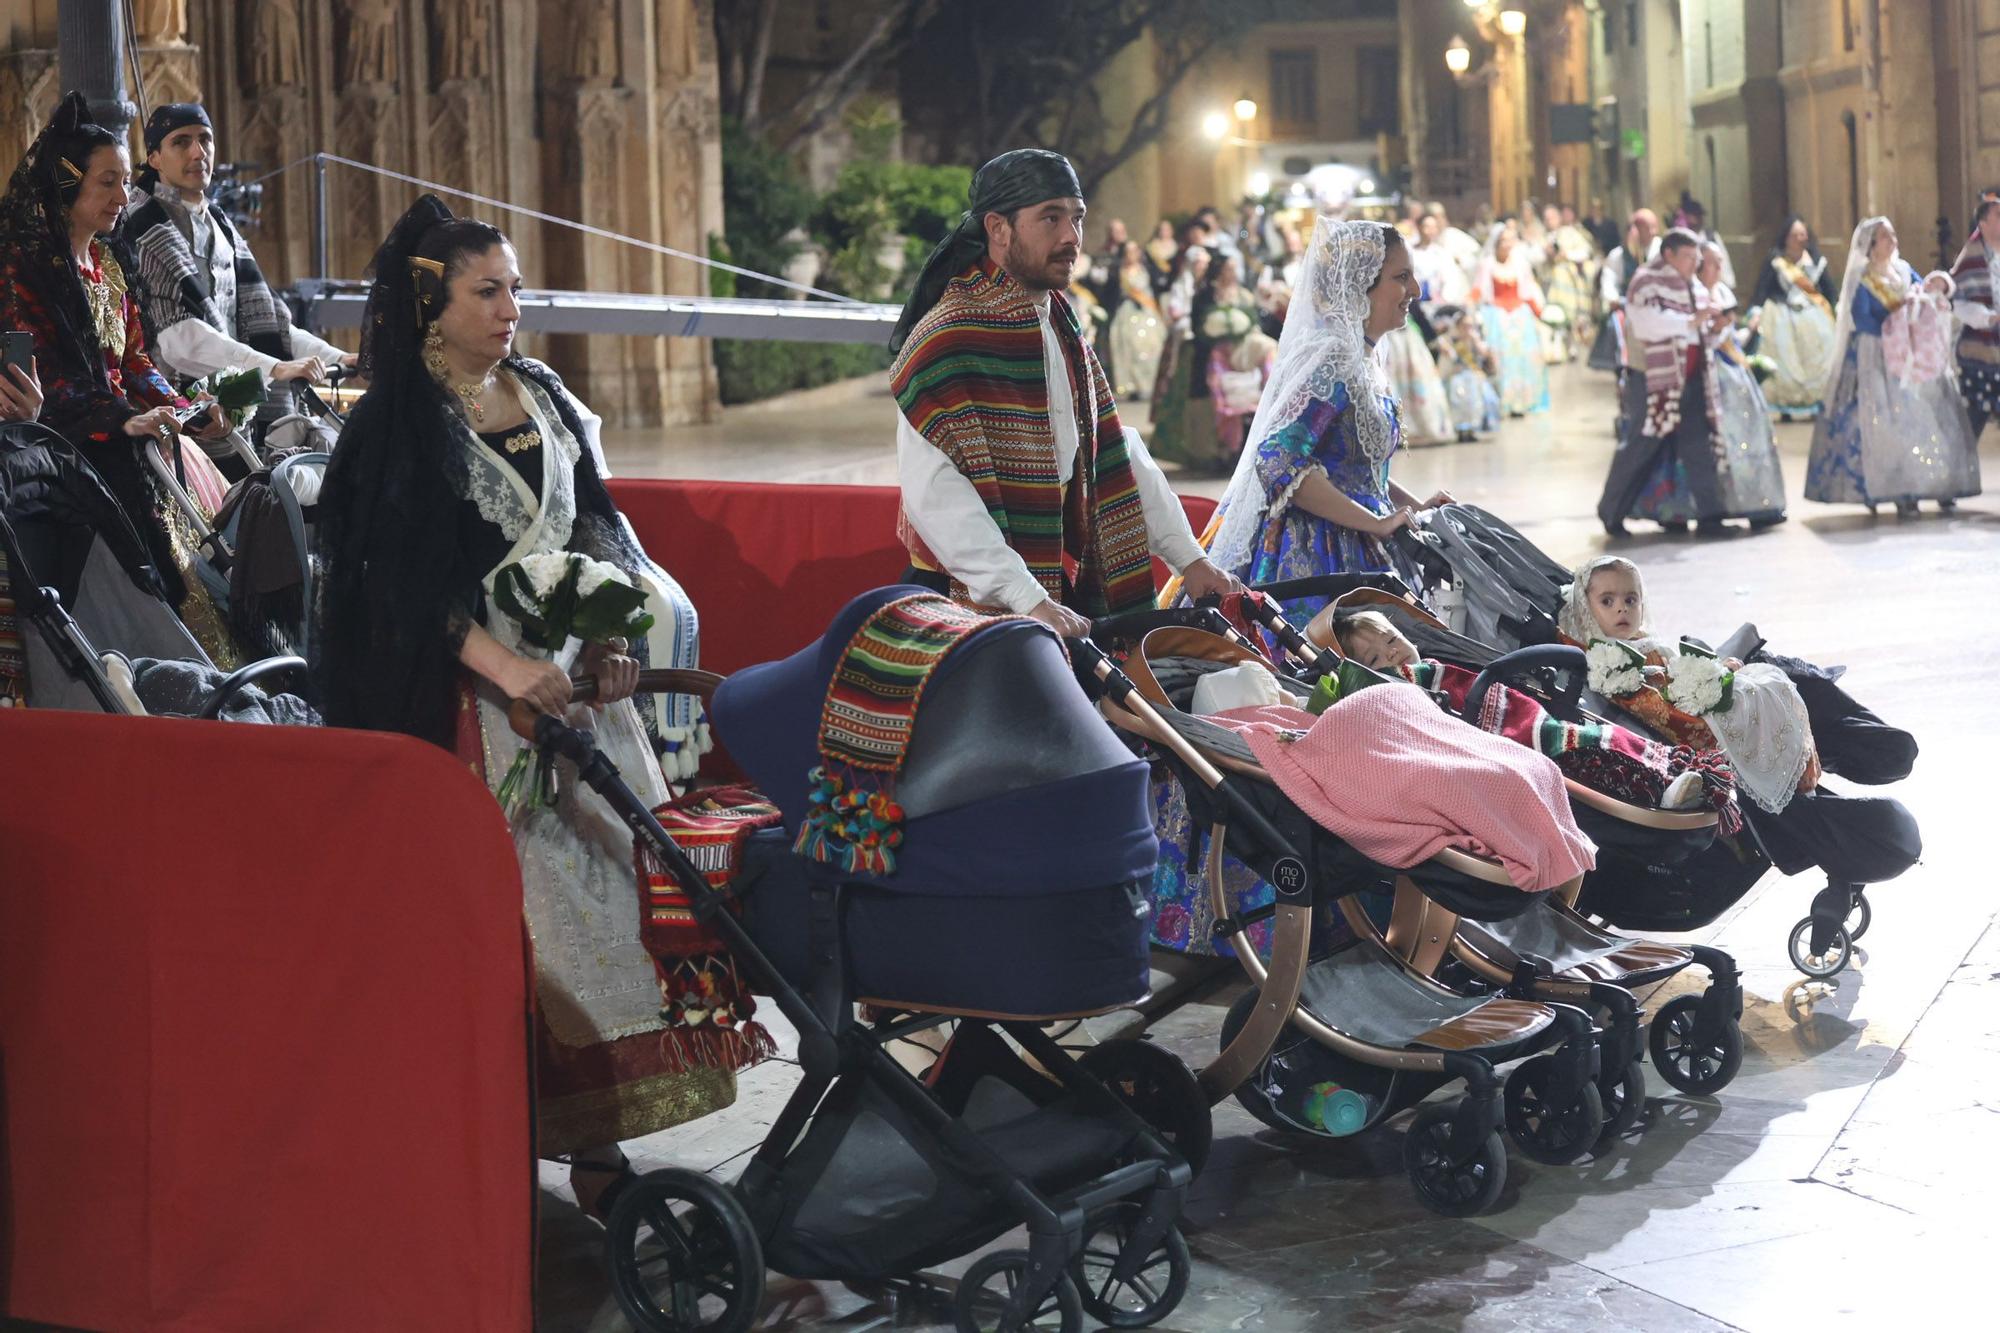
{"x":603,"y":111}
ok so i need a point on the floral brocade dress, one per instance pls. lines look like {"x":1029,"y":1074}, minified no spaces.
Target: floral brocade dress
{"x":80,"y":410}
{"x":1882,"y":438}
{"x":1292,"y":544}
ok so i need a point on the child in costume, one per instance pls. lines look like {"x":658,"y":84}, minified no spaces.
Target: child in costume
{"x":1602,"y":756}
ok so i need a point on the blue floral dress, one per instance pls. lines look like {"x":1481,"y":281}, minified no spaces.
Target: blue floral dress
{"x":1292,"y":545}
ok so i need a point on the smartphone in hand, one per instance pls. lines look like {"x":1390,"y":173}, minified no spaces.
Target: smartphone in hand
{"x":17,"y":348}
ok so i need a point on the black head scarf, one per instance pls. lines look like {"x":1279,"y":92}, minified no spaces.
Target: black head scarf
{"x":393,"y":564}
{"x":164,"y":121}
{"x":1010,"y":181}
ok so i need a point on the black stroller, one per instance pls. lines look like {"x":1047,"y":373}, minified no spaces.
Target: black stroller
{"x":97,"y":633}
{"x":1511,"y":593}
{"x":1017,"y":900}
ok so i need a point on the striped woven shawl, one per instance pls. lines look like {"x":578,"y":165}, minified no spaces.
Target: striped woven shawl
{"x":971,"y":380}
{"x":1973,"y":275}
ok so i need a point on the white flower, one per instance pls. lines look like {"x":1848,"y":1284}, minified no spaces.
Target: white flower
{"x":595,"y":574}
{"x":1614,"y":669}
{"x":545,"y":570}
{"x":1696,"y":685}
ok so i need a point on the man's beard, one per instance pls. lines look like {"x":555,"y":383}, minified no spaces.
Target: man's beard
{"x":1039,"y":274}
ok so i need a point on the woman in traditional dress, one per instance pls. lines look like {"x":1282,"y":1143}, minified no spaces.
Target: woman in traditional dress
{"x":60,"y":282}
{"x":1886,"y":437}
{"x":1568,"y":272}
{"x":1179,"y":434}
{"x":462,"y":459}
{"x":1510,"y":314}
{"x":1138,"y":334}
{"x":1414,"y":378}
{"x":1231,"y":353}
{"x":1792,"y":310}
{"x":1312,"y":492}
{"x":1746,"y":450}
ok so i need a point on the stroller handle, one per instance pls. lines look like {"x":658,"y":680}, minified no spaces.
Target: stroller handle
{"x":522,"y":715}
{"x":1516,"y":663}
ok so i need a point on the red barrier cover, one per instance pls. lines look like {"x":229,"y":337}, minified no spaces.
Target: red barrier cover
{"x":768,"y":566}
{"x":263,"y":1032}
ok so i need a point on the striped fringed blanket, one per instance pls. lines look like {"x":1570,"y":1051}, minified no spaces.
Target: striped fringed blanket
{"x":972,"y":380}
{"x":871,"y":707}
{"x":706,"y":1006}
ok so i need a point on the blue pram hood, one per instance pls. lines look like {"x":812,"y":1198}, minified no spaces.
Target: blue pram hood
{"x":1013,"y":783}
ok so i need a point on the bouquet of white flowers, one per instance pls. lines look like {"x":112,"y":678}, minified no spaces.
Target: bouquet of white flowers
{"x":557,"y":596}
{"x":1614,"y":668}
{"x":1226,"y":322}
{"x":560,"y":594}
{"x":1698,"y":683}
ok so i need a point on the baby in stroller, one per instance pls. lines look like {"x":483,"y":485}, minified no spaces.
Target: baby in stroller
{"x":1784,"y":723}
{"x":1602,"y":756}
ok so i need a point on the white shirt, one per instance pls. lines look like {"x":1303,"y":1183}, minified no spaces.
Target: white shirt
{"x":948,"y":514}
{"x":194,"y":347}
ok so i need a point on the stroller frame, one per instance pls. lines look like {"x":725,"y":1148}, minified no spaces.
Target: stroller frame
{"x":1696,"y":1041}
{"x":834,"y":1045}
{"x":1453,"y":1153}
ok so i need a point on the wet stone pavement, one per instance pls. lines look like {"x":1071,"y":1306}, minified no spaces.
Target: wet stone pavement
{"x":1846,"y":1179}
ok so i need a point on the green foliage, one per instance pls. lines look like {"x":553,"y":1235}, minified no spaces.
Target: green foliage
{"x":764,"y":196}
{"x":752,"y":369}
{"x":721,"y":282}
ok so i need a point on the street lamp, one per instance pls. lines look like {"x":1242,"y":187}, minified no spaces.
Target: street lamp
{"x":1457,"y":56}
{"x":1246,"y":110}
{"x":1513,"y":22}
{"x":1215,"y":125}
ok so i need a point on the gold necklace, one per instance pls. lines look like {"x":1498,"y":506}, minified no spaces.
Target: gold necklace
{"x":469,"y":395}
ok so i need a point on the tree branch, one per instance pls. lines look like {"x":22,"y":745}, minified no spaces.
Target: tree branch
{"x":832,"y":92}
{"x":1148,"y":123}
{"x":755,"y":63}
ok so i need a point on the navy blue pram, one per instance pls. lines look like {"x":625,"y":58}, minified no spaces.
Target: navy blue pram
{"x":1016,"y":899}
{"x":1029,"y":831}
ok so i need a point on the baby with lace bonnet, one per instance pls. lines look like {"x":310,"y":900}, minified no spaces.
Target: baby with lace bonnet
{"x":1753,"y":712}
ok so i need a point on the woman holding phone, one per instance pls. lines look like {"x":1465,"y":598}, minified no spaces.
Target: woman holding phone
{"x":20,"y":387}
{"x":60,"y":283}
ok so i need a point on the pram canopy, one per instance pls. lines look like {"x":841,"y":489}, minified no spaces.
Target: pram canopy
{"x":1028,"y":832}
{"x":1013,"y":784}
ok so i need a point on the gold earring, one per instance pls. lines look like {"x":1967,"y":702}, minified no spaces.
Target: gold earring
{"x":434,"y":354}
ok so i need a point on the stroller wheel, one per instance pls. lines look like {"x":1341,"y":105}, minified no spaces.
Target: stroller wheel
{"x":1151,"y":1293}
{"x":684,"y":1256}
{"x":1160,"y":1089}
{"x":1624,"y":1101}
{"x":1684,"y":1058}
{"x":987,"y":1286}
{"x":1819,"y":965}
{"x":1862,"y":917}
{"x":1452,"y":1189}
{"x":1550,"y":1134}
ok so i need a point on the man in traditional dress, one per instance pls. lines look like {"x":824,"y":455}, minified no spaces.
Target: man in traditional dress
{"x":1973,"y":303}
{"x":199,"y":287}
{"x":1666,"y":390}
{"x":1022,"y":492}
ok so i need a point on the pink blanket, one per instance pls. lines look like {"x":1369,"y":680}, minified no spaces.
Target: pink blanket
{"x":1398,"y":779}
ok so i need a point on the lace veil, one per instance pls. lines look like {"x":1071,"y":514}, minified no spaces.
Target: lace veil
{"x":1857,"y":268}
{"x":1323,"y":344}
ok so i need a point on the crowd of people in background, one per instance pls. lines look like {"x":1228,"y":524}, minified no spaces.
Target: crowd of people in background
{"x":1189,"y":319}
